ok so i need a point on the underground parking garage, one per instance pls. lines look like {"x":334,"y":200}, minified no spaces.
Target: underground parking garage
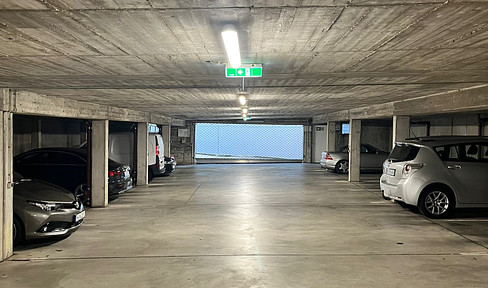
{"x":77,"y":75}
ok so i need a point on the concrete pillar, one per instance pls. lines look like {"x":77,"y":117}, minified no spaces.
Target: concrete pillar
{"x":354,"y":150}
{"x":307,"y":144}
{"x":166,"y":133}
{"x":142,"y":134}
{"x":99,"y":164}
{"x":6,"y":180}
{"x":331,"y":136}
{"x":401,"y":128}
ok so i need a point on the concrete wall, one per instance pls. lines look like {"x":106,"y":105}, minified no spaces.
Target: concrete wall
{"x":319,"y":142}
{"x":182,"y":144}
{"x":37,"y":132}
{"x":457,"y":124}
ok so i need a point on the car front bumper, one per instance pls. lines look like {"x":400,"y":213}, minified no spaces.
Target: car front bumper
{"x":41,"y":224}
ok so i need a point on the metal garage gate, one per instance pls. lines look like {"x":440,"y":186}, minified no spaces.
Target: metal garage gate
{"x":247,"y":143}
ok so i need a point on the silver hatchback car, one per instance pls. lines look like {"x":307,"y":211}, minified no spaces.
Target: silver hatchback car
{"x":438,"y":174}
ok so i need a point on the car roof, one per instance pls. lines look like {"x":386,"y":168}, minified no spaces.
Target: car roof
{"x":76,"y":151}
{"x":432,"y":141}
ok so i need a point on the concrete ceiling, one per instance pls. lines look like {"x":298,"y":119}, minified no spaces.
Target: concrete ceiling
{"x":166,"y":56}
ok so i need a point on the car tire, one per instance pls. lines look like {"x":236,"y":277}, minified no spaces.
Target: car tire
{"x":384,"y":196}
{"x":436,"y":202}
{"x":342,"y":167}
{"x":18,"y":231}
{"x":150,"y":175}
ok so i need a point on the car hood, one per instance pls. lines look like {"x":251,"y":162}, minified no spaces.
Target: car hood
{"x":35,"y":190}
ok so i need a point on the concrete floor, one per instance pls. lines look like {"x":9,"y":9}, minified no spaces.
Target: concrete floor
{"x":262,"y":225}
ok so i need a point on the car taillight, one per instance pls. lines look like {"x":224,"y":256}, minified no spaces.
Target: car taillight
{"x":410,"y":168}
{"x":115,"y":173}
{"x":328,"y":157}
{"x":157,"y":150}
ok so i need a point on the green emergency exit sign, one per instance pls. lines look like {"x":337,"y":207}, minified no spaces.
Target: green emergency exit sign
{"x":249,"y":70}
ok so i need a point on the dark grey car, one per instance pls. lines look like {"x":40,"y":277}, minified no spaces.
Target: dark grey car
{"x":44,"y":210}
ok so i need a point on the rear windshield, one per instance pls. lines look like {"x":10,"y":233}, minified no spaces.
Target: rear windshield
{"x":403,"y":152}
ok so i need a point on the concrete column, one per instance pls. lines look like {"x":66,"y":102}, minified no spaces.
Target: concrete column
{"x":6,"y":180}
{"x":307,"y":144}
{"x":401,"y":128}
{"x":354,"y":150}
{"x":99,"y":164}
{"x":331,"y":136}
{"x":166,"y":133}
{"x":142,"y":134}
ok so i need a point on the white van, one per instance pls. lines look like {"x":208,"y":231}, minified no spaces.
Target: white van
{"x":121,"y":148}
{"x":155,"y":155}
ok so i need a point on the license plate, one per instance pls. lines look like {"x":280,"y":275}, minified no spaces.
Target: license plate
{"x":390,"y":171}
{"x":79,"y":216}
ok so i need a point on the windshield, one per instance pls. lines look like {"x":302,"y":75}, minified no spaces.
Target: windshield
{"x":403,"y":152}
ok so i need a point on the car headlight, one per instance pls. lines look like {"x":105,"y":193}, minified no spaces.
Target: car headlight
{"x":46,"y":206}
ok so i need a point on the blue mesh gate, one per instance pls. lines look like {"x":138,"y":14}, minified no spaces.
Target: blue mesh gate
{"x":248,"y":142}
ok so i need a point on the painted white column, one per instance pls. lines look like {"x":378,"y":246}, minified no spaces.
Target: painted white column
{"x":142,"y":135}
{"x":166,"y":133}
{"x":331,"y":136}
{"x":401,"y":128}
{"x":6,"y":184}
{"x":99,"y":163}
{"x":354,"y":150}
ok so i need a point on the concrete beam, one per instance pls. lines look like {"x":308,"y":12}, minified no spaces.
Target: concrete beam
{"x":99,"y":163}
{"x":461,"y":100}
{"x":141,"y":171}
{"x":6,"y":188}
{"x":354,"y":150}
{"x":22,"y":102}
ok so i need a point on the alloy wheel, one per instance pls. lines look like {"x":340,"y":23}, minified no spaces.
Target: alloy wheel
{"x":437,"y":202}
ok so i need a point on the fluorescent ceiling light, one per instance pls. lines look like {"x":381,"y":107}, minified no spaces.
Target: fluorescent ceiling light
{"x":242,"y":100}
{"x":231,"y":43}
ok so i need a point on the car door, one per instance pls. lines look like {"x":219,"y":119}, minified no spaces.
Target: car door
{"x":68,"y":169}
{"x":467,"y":166}
{"x":369,"y":158}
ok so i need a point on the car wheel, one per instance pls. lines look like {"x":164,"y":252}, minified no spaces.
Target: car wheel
{"x":436,"y":203}
{"x":80,"y":193}
{"x":342,"y":167}
{"x":18,"y":231}
{"x":150,"y":175}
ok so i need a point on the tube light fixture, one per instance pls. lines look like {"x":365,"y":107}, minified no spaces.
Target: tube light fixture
{"x":231,"y":43}
{"x":242,"y":100}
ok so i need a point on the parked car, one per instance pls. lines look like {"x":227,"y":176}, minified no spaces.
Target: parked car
{"x":438,"y":174}
{"x":371,"y":159}
{"x":44,"y":210}
{"x":169,"y":165}
{"x":67,"y":168}
{"x":155,"y":157}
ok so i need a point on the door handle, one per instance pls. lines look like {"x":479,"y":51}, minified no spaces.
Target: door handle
{"x":454,"y":167}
